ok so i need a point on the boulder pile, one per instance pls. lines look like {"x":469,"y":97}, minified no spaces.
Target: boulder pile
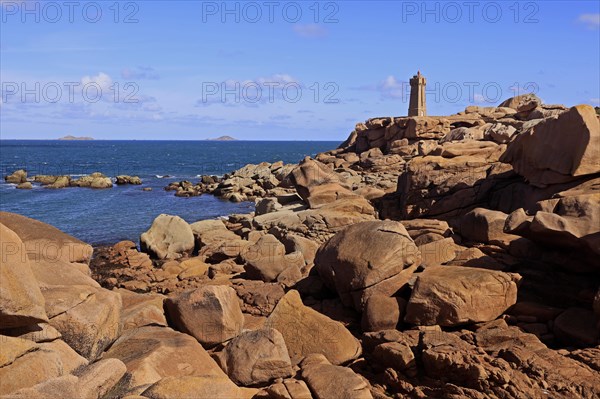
{"x":427,"y":257}
{"x":245,"y":184}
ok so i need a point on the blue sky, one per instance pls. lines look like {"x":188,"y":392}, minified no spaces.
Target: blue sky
{"x":279,"y":70}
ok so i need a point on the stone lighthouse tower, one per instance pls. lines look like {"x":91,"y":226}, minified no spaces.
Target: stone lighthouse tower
{"x":417,"y":106}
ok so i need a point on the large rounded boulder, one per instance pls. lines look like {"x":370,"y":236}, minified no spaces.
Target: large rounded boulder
{"x":169,"y":237}
{"x":374,"y":257}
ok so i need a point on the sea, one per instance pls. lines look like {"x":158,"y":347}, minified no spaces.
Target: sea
{"x":103,"y":217}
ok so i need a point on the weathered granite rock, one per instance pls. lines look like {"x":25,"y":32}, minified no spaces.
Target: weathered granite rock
{"x":364,"y":255}
{"x":520,"y":101}
{"x":211,"y":314}
{"x":463,"y":134}
{"x":195,"y":387}
{"x":95,"y":180}
{"x":39,"y":333}
{"x":43,"y":241}
{"x":310,"y":173}
{"x":382,"y":313}
{"x":570,"y":221}
{"x":256,"y":357}
{"x":397,"y":355}
{"x":318,"y":195}
{"x":91,"y":382}
{"x":485,"y":226}
{"x":289,"y":389}
{"x":209,"y":231}
{"x":455,"y":295}
{"x":17,"y":177}
{"x":21,"y":301}
{"x":25,"y":364}
{"x":296,"y":243}
{"x":545,"y":155}
{"x":141,"y":310}
{"x":554,"y":372}
{"x":169,"y":237}
{"x":500,"y":133}
{"x":91,"y":325}
{"x":307,"y":331}
{"x":126,"y":179}
{"x":152,"y":353}
{"x":329,"y":381}
{"x":266,"y":259}
{"x":49,"y":181}
{"x":449,"y":181}
{"x":427,"y":127}
{"x":266,"y":205}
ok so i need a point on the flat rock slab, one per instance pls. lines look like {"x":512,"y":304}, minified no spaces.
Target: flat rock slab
{"x":307,"y":331}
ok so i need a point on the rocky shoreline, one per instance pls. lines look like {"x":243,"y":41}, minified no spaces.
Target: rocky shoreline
{"x":426,"y":257}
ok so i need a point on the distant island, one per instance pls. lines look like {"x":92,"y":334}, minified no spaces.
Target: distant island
{"x":75,"y":138}
{"x":223,"y":138}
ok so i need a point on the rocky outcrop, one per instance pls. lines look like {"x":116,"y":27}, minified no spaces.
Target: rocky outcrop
{"x":487,"y":286}
{"x":53,"y":181}
{"x":94,"y":180}
{"x":570,"y":220}
{"x":55,"y":319}
{"x":17,"y":177}
{"x":126,"y":179}
{"x":545,"y":154}
{"x":245,"y":184}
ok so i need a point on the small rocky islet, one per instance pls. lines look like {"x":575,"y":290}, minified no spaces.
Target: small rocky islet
{"x":426,"y":257}
{"x":95,"y":180}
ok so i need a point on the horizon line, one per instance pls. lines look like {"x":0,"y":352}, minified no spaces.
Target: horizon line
{"x":217,"y":141}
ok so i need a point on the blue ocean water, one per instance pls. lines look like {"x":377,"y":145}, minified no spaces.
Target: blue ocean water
{"x":124,"y":212}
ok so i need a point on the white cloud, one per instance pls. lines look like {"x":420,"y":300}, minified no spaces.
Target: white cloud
{"x":311,"y":31}
{"x":591,"y":21}
{"x":390,"y":83}
{"x":595,"y":101}
{"x":391,"y":87}
{"x":102,"y":80}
